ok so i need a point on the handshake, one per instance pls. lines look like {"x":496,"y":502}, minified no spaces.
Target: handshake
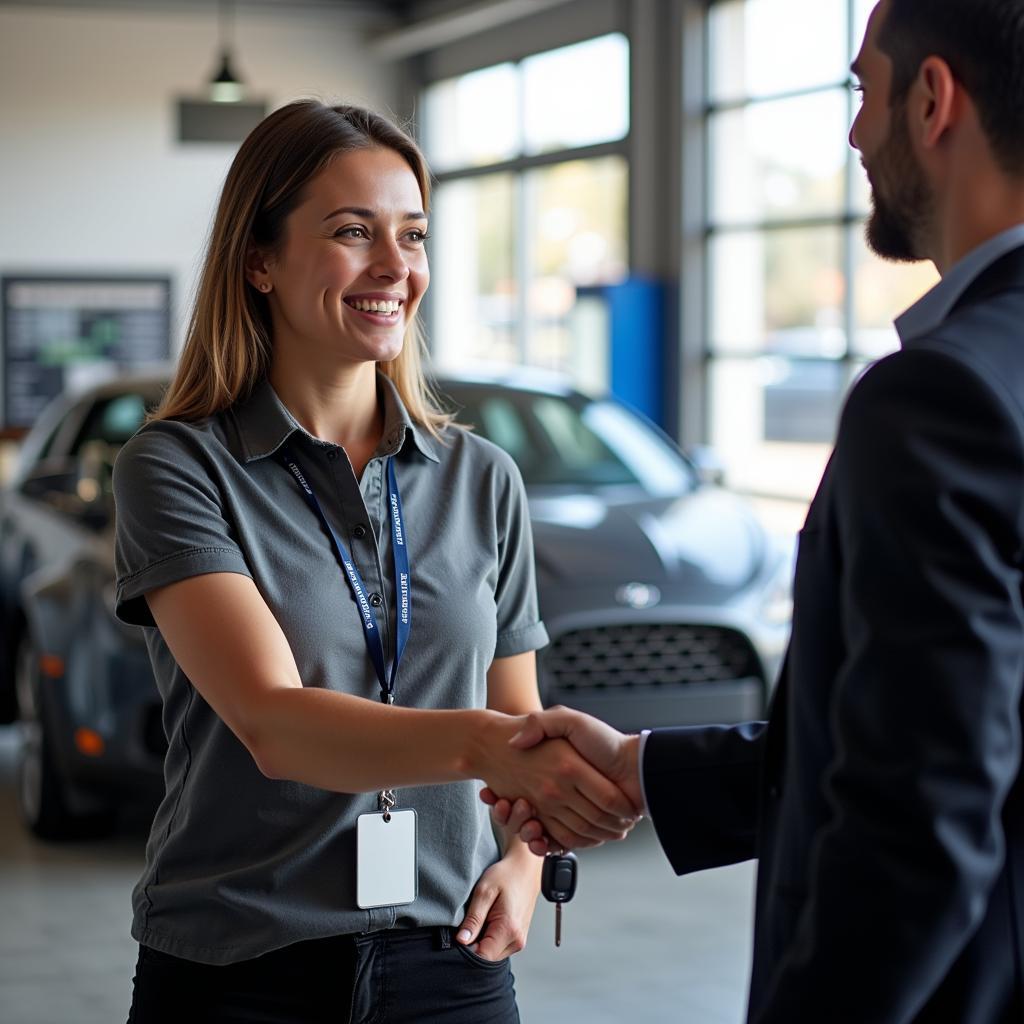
{"x":564,"y":780}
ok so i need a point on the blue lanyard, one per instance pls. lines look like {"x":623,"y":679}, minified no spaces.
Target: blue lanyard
{"x":403,"y":577}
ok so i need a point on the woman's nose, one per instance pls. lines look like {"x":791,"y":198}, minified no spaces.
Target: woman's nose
{"x":389,"y":260}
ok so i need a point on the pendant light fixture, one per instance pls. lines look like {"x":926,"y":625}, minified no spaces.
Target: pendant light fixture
{"x":225,"y":86}
{"x":226,"y":111}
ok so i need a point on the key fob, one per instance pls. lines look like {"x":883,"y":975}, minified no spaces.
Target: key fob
{"x":558,"y":879}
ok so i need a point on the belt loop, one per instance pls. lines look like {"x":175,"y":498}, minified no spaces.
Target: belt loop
{"x":444,"y":937}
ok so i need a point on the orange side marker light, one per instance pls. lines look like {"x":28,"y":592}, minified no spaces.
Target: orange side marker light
{"x":51,"y":666}
{"x":89,"y":742}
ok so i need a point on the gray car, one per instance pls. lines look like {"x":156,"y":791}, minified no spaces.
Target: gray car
{"x":666,"y":601}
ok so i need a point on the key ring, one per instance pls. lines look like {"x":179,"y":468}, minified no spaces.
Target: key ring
{"x":385,"y":802}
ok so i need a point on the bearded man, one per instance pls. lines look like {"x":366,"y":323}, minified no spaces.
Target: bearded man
{"x":884,"y":797}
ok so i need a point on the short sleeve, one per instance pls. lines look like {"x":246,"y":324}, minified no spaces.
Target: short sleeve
{"x":170,"y":523}
{"x":519,"y":625}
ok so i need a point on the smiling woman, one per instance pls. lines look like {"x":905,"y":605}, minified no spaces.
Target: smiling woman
{"x":347,"y":278}
{"x":292,"y":157}
{"x":295,"y":522}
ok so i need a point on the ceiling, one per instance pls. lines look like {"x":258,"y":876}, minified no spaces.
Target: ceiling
{"x":397,"y":8}
{"x":415,"y":26}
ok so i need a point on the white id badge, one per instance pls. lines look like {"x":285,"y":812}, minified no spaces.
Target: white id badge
{"x":385,"y":859}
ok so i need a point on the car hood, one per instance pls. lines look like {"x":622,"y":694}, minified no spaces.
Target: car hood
{"x":706,"y":545}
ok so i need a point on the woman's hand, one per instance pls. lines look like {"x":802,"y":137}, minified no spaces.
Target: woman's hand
{"x":500,"y":910}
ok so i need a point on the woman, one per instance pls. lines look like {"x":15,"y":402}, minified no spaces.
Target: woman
{"x":338,"y":592}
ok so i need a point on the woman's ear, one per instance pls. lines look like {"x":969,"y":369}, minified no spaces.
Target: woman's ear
{"x":257,"y":272}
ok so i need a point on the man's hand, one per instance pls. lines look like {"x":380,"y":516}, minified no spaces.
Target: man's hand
{"x":613,"y":754}
{"x":576,"y":804}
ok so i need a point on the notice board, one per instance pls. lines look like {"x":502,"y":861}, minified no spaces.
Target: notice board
{"x":63,"y":333}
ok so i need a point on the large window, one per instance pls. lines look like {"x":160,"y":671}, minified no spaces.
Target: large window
{"x":796,"y":303}
{"x":531,"y":203}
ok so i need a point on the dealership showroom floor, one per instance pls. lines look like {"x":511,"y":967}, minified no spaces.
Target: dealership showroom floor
{"x":639,"y":943}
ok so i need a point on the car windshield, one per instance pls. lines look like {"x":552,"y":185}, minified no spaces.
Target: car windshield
{"x":113,"y":420}
{"x":560,"y":442}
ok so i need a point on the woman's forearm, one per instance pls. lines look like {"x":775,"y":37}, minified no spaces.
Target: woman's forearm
{"x":352,"y":745}
{"x":229,"y":645}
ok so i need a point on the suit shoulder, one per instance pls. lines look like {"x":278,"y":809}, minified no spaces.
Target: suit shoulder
{"x":988,"y":339}
{"x":943,"y":375}
{"x":919,"y":412}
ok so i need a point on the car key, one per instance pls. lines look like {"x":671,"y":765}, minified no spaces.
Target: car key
{"x":558,"y":884}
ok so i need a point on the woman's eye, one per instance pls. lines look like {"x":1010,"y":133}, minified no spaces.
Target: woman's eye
{"x":417,"y":236}
{"x":351,"y":232}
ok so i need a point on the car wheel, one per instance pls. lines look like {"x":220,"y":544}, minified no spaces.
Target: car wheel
{"x":41,"y":791}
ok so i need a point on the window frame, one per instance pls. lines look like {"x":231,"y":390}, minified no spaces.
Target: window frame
{"x":519,"y":166}
{"x":847,"y":219}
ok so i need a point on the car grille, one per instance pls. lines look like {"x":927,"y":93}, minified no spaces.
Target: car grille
{"x":648,"y":655}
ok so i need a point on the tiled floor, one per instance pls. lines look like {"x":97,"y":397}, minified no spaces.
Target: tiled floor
{"x":639,"y":944}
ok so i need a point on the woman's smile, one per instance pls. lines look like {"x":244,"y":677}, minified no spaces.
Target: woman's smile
{"x":377,"y":307}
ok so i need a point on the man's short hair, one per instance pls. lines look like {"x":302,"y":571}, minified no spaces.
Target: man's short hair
{"x":983,"y":43}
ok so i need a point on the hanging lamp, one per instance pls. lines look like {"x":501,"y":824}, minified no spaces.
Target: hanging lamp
{"x":225,"y":85}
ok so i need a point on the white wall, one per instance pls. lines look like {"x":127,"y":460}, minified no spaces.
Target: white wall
{"x":91,"y":178}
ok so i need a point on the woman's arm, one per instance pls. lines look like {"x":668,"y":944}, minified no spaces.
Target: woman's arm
{"x":227,"y":641}
{"x":512,"y":684}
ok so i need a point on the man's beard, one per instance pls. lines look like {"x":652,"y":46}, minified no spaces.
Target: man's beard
{"x":900,"y":198}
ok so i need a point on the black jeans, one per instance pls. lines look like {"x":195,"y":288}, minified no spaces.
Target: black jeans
{"x":418,"y":976}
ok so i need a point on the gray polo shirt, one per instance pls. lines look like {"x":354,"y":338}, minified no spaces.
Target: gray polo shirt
{"x":238,"y":864}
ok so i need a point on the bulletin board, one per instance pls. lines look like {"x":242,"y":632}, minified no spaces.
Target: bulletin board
{"x":61,"y":333}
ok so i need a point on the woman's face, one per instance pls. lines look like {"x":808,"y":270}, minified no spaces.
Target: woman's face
{"x":352,"y":267}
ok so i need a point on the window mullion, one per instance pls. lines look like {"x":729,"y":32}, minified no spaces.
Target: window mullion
{"x":573,"y":199}
{"x":525,"y":163}
{"x":521,"y":235}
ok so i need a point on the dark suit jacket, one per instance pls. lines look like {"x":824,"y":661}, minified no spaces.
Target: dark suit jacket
{"x":884,"y":798}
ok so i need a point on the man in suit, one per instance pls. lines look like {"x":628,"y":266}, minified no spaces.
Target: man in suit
{"x":884,"y":798}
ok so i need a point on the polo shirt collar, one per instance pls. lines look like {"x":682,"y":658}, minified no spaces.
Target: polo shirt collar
{"x":265,"y":423}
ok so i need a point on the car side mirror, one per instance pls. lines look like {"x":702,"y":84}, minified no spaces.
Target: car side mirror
{"x":94,"y":483}
{"x":78,"y":486}
{"x":710,"y":468}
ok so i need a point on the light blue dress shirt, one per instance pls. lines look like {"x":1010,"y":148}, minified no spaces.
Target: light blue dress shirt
{"x":935,"y":305}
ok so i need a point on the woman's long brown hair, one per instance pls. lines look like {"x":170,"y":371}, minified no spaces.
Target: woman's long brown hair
{"x":228,"y":343}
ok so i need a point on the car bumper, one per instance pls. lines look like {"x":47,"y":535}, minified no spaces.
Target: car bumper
{"x":120,"y":706}
{"x":630,"y":710}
